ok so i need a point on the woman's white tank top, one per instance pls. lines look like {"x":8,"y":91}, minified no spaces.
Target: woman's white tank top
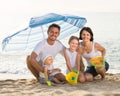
{"x":90,"y":55}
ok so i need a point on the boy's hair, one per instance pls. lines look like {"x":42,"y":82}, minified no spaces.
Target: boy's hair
{"x":45,"y":57}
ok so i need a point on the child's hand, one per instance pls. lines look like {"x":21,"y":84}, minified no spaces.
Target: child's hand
{"x":102,"y":60}
{"x":49,"y":72}
{"x":56,"y":69}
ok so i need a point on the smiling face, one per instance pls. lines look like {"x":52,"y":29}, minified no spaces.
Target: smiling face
{"x":53,"y":33}
{"x":85,"y":36}
{"x":48,"y":60}
{"x":73,"y":44}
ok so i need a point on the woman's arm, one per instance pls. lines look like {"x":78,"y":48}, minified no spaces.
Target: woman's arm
{"x":78,"y":61}
{"x":101,"y":49}
{"x":82,"y":66}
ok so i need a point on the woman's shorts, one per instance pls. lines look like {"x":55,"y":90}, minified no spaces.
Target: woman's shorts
{"x":91,"y":69}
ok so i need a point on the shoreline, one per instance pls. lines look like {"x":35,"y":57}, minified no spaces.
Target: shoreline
{"x":30,"y":87}
{"x":5,"y":76}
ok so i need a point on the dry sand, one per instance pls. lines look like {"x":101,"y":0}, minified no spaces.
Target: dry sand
{"x":29,"y":87}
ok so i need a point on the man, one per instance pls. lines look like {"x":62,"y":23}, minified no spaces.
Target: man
{"x":48,"y":46}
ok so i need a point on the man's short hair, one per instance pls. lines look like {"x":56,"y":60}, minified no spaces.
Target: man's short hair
{"x":53,"y":25}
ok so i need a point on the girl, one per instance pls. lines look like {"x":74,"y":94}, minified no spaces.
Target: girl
{"x":72,"y":57}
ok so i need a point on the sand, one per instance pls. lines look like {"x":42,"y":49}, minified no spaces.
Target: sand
{"x":30,"y":87}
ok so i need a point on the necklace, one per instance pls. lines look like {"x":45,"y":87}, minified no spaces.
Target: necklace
{"x":87,"y":47}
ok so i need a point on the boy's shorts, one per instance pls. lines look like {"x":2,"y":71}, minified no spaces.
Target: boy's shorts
{"x":42,"y":80}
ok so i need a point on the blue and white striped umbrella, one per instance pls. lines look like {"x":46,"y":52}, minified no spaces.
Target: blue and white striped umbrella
{"x":37,"y":31}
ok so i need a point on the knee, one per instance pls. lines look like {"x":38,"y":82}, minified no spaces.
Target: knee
{"x":82,"y":80}
{"x":101,"y":70}
{"x":28,"y":61}
{"x":60,"y":77}
{"x":89,"y":77}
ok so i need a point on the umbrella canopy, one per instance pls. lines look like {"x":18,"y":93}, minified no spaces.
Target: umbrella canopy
{"x":37,"y":31}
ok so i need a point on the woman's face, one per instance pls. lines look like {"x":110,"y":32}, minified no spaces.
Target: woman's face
{"x":85,"y":36}
{"x":73,"y":44}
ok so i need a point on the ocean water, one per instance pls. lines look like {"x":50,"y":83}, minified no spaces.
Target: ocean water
{"x":106,"y":29}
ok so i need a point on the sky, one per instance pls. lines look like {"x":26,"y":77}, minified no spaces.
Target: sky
{"x":15,"y":14}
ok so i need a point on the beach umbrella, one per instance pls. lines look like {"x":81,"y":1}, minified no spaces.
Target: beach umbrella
{"x":37,"y":31}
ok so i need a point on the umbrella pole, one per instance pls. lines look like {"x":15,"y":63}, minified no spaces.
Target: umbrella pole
{"x":28,"y":37}
{"x":43,"y":32}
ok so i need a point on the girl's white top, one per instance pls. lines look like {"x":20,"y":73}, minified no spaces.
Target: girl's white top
{"x":72,"y":57}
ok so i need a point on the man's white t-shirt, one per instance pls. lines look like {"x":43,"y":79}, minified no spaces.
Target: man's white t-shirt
{"x":43,"y":48}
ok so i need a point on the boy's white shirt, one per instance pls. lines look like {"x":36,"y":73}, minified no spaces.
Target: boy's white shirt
{"x":51,"y":67}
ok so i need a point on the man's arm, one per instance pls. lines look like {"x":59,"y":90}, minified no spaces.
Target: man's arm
{"x":34,"y":62}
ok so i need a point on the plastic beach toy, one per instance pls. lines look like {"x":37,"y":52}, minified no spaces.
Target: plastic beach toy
{"x":72,"y":77}
{"x":97,"y":61}
{"x":48,"y":83}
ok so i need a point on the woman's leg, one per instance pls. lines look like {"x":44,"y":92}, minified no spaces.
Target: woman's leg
{"x":88,"y":77}
{"x":103,"y":70}
{"x":60,"y":77}
{"x":90,"y":73}
{"x":81,"y":78}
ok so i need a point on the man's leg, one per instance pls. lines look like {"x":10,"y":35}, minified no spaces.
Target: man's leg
{"x":60,"y":77}
{"x":31,"y":68}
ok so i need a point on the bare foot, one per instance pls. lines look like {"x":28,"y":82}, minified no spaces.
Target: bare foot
{"x":102,"y":77}
{"x":55,"y":80}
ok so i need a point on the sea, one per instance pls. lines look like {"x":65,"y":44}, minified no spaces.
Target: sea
{"x":106,"y":30}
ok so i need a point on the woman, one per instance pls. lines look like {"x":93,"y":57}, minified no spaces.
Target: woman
{"x":89,"y":49}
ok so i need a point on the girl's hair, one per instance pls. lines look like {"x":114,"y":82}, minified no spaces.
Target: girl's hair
{"x":72,"y":38}
{"x":88,"y":29}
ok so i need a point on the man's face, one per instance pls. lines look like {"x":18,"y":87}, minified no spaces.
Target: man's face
{"x":53,"y":33}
